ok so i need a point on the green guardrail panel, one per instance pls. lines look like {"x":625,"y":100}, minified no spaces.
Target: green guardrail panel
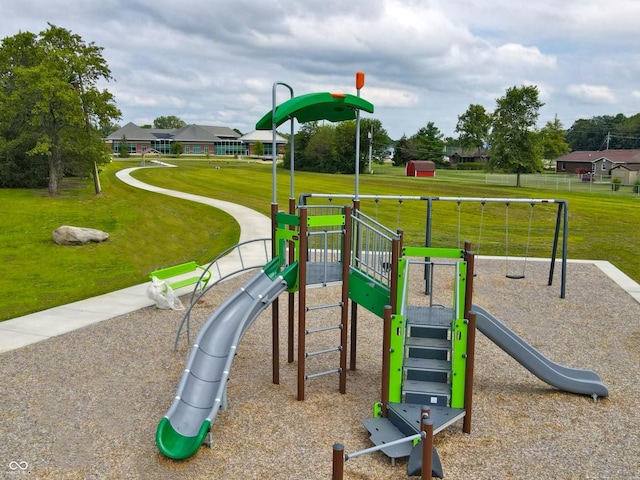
{"x":458,"y":363}
{"x":459,"y":339}
{"x":368,"y":293}
{"x":434,"y":252}
{"x":396,"y":358}
{"x":325,"y":220}
{"x":287,"y":219}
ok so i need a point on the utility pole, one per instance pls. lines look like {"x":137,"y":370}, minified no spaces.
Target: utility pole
{"x":608,"y":138}
{"x":370,"y":149}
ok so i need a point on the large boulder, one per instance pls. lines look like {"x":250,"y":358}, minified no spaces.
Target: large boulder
{"x":67,"y":235}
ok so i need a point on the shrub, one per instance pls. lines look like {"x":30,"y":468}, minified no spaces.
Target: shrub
{"x":469,"y":166}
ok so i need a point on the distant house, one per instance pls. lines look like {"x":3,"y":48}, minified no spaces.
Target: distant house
{"x":599,"y":162}
{"x":420,"y":168}
{"x":266,"y":138}
{"x":195,"y":140}
{"x":459,"y":155}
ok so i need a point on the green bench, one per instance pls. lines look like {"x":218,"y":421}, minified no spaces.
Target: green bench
{"x":182,"y":275}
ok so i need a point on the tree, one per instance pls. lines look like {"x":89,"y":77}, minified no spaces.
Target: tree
{"x":124,"y":147}
{"x":604,"y":132}
{"x":473,"y":127}
{"x":168,"y":122}
{"x":258,"y":148}
{"x":553,"y":142}
{"x":51,"y":108}
{"x":515,"y":144}
{"x":176,"y":149}
{"x":331,"y":148}
{"x":403,"y":152}
{"x":107,"y":128}
{"x":430,"y":144}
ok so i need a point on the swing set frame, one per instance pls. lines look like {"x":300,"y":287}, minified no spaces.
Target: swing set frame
{"x":561,"y":226}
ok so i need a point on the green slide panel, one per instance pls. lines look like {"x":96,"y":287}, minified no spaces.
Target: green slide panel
{"x":173,"y":445}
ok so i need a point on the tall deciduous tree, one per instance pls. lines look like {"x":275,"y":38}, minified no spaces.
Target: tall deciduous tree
{"x":473,"y":127}
{"x":51,"y":108}
{"x":553,"y":143}
{"x":515,"y":144}
{"x":331,"y":148}
{"x":170,"y":121}
{"x":430,"y":144}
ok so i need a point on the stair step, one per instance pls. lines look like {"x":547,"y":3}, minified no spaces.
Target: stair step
{"x":429,"y":343}
{"x":436,"y":317}
{"x":426,"y":388}
{"x":427,"y":364}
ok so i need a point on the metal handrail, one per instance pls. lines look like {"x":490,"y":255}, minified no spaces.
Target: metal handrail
{"x":199,"y":292}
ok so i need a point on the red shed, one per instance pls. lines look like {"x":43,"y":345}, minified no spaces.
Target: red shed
{"x":421,"y":168}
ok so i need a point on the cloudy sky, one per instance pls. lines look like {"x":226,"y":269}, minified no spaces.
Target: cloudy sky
{"x":214,"y":61}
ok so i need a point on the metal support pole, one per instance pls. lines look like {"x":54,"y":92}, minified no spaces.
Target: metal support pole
{"x":274,"y":147}
{"x":427,"y":243}
{"x":565,"y":242}
{"x":275,"y":320}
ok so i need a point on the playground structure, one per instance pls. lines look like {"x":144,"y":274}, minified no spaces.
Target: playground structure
{"x":428,"y":346}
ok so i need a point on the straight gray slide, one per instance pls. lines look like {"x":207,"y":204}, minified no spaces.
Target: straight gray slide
{"x":574,"y":380}
{"x":201,"y":390}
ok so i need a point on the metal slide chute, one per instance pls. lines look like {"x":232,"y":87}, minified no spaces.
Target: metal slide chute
{"x":574,"y":380}
{"x":202,"y":387}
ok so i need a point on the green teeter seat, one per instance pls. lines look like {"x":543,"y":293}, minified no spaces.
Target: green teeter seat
{"x":181,"y":275}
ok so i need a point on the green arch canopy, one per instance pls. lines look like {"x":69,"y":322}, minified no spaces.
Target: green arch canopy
{"x":316,"y":106}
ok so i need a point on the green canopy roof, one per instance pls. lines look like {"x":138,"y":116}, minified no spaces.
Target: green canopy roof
{"x":316,"y":106}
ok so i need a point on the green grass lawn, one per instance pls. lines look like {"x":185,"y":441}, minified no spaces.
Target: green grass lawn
{"x":149,"y":231}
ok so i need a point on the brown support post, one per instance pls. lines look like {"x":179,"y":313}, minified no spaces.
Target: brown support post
{"x":338,"y":462}
{"x":426,"y":426}
{"x":354,"y":305}
{"x":344,"y":322}
{"x":275,"y":321}
{"x":468,"y":379}
{"x":291,"y":321}
{"x":396,"y":245}
{"x":386,"y":360}
{"x":302,"y":301}
{"x":471,"y":339}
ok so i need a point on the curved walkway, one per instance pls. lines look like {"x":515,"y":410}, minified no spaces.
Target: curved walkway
{"x":38,"y":326}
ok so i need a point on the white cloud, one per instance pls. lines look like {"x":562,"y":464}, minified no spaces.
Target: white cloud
{"x":215,"y":62}
{"x":591,"y":93}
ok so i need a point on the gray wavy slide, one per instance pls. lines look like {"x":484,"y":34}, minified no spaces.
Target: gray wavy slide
{"x":574,"y":380}
{"x":201,"y":391}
